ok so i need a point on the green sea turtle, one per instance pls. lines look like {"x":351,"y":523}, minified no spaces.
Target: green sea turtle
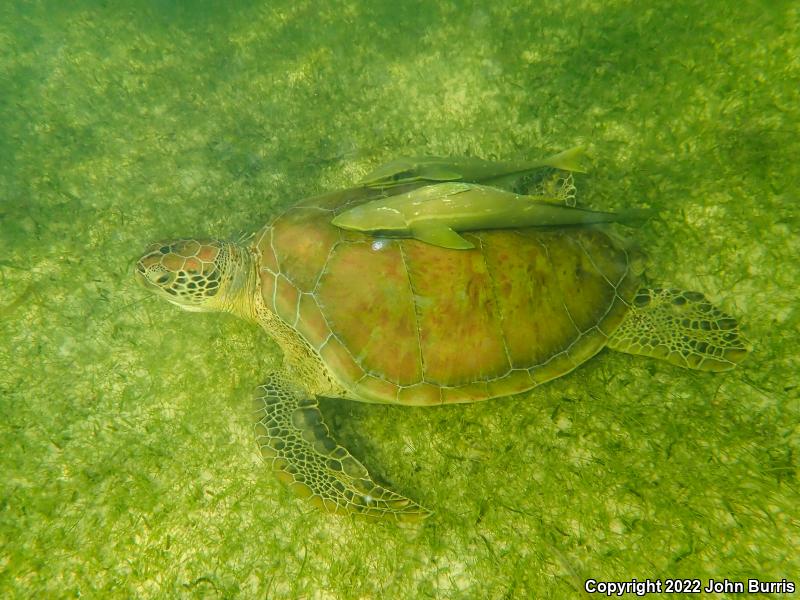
{"x":400,"y":321}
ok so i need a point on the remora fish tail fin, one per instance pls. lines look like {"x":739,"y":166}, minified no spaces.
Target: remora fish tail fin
{"x":568,"y":160}
{"x":440,"y":235}
{"x":636,"y":216}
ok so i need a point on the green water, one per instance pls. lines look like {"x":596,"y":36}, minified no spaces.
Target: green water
{"x":127,"y":464}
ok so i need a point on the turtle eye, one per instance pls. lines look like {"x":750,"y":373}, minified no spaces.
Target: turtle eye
{"x":163,"y":279}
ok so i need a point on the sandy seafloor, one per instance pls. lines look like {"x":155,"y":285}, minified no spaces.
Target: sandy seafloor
{"x":127,"y":464}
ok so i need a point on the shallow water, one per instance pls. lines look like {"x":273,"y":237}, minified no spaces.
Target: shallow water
{"x":128,"y":465}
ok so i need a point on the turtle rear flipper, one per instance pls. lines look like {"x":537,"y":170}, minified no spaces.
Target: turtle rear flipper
{"x":294,"y":438}
{"x":682,"y":328}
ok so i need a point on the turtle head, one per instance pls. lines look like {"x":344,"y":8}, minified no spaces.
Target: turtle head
{"x":197,"y":275}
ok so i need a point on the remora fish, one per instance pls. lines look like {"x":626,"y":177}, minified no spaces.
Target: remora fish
{"x":432,"y":168}
{"x":436,"y":213}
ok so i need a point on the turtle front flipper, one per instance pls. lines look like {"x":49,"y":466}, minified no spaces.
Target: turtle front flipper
{"x":682,"y":328}
{"x":296,"y":441}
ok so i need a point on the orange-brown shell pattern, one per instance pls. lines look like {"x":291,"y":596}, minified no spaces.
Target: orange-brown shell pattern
{"x":403,"y":322}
